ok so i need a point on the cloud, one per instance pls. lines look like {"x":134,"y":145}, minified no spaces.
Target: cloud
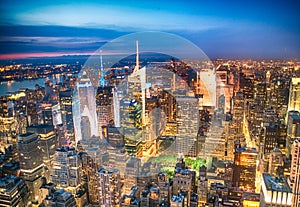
{"x":30,"y":39}
{"x":53,"y":40}
{"x":114,"y":17}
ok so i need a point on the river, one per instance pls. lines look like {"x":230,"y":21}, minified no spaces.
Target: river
{"x":12,"y":86}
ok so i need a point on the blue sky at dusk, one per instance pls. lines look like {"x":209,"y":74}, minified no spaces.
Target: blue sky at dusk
{"x":226,"y":29}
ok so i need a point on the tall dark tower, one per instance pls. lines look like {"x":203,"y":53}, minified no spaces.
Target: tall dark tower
{"x":31,"y":163}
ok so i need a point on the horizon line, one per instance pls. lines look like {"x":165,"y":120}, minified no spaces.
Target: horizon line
{"x":41,"y":55}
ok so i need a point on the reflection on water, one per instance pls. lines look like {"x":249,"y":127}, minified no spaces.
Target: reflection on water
{"x":12,"y":86}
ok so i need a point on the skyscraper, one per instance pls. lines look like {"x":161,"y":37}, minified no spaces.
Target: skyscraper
{"x":208,"y":87}
{"x":293,"y":123}
{"x":102,"y":79}
{"x":132,"y":172}
{"x":104,"y":100}
{"x":137,"y":84}
{"x":109,"y":188}
{"x":238,"y":113}
{"x":116,"y":107}
{"x":295,"y":173}
{"x":31,"y":163}
{"x":294,"y":97}
{"x":245,"y":168}
{"x":132,"y":134}
{"x":90,"y":167}
{"x":66,"y":101}
{"x":66,"y":169}
{"x":87,"y":107}
{"x":49,"y":113}
{"x":293,"y":129}
{"x":275,"y":162}
{"x":269,"y":139}
{"x":188,"y":124}
{"x":47,"y":144}
{"x":115,"y":137}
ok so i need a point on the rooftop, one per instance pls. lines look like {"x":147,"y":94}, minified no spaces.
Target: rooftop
{"x":108,"y":171}
{"x":246,"y":150}
{"x":8,"y":183}
{"x":177,"y":198}
{"x":276,"y":183}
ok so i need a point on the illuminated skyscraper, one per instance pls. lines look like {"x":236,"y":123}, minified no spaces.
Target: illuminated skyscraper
{"x":62,"y":138}
{"x":90,"y":167}
{"x":244,"y":168}
{"x":66,"y":169}
{"x":132,"y":134}
{"x":208,"y":87}
{"x":214,"y":145}
{"x":293,"y":129}
{"x":293,"y":123}
{"x":188,"y":125}
{"x":238,"y":113}
{"x":47,"y":144}
{"x":260,"y":93}
{"x":132,"y":115}
{"x":7,"y":120}
{"x":87,"y":106}
{"x":116,"y":107}
{"x":66,"y":101}
{"x":102,"y":79}
{"x":269,"y":139}
{"x":31,"y":163}
{"x":104,"y":101}
{"x":109,"y":188}
{"x":137,"y":83}
{"x":50,"y":113}
{"x":294,"y":97}
{"x":295,"y":173}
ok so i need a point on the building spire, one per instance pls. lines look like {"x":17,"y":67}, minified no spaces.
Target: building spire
{"x":102,"y":80}
{"x":137,"y":66}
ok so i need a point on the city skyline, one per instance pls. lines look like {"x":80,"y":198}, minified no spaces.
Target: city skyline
{"x":203,"y":110}
{"x":184,"y":139}
{"x":222,"y":30}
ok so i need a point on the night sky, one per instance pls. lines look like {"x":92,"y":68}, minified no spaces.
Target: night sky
{"x":222,"y":29}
